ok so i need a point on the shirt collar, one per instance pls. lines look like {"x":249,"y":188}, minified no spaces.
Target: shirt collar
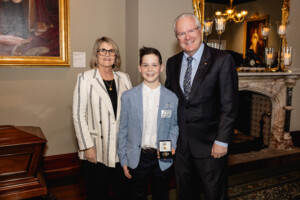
{"x":148,"y":90}
{"x":197,"y":56}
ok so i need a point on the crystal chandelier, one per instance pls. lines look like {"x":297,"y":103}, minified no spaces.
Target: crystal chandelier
{"x":231,"y":14}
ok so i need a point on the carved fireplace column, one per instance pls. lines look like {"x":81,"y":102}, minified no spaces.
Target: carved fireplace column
{"x":290,"y":83}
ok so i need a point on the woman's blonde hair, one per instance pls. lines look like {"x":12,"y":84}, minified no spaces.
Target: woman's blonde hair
{"x":98,"y":42}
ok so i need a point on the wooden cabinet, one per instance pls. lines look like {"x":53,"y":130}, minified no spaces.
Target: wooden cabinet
{"x":21,"y":152}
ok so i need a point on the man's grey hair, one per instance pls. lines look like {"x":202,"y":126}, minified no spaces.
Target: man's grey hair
{"x":184,"y":15}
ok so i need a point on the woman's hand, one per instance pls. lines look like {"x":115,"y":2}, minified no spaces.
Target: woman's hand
{"x":90,"y":155}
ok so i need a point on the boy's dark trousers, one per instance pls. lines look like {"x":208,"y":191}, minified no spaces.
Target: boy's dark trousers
{"x":148,"y":167}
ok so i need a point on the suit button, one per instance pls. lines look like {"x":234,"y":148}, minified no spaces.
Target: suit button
{"x":139,"y":146}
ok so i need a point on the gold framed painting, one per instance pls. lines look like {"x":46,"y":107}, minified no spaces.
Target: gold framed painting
{"x":253,"y":38}
{"x":34,"y":33}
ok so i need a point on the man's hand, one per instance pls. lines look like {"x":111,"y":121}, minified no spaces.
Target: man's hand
{"x":90,"y":155}
{"x":126,"y":171}
{"x":218,"y":151}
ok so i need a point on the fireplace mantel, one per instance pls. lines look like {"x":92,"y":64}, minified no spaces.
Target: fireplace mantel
{"x":278,"y":87}
{"x":268,"y":74}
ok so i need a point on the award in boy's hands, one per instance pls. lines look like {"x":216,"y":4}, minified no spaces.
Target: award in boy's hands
{"x":165,"y":147}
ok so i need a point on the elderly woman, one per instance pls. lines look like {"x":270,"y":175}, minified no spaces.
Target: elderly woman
{"x":96,"y":112}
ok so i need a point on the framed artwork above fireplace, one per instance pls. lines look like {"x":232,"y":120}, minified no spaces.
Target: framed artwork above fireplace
{"x":253,"y":38}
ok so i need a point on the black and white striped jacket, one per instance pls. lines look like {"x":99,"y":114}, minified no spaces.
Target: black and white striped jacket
{"x":94,"y":119}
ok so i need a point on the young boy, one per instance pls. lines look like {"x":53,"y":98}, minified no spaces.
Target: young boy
{"x":148,"y":120}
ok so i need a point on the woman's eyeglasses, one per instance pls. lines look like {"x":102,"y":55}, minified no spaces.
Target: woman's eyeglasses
{"x":103,"y":52}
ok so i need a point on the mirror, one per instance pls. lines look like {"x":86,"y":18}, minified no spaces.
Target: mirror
{"x":237,"y":36}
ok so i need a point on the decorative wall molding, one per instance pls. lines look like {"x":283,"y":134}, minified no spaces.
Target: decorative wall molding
{"x":59,"y":166}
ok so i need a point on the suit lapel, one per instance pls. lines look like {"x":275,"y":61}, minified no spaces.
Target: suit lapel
{"x":160,"y":107}
{"x":177,"y":73}
{"x":100,"y":88}
{"x":118,"y":79}
{"x":138,"y":99}
{"x":119,"y":82}
{"x":203,"y":67}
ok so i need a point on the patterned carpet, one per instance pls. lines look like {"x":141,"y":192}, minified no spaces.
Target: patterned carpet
{"x":282,"y":187}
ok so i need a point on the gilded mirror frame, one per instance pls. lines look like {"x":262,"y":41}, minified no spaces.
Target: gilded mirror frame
{"x":199,"y":6}
{"x":62,"y":60}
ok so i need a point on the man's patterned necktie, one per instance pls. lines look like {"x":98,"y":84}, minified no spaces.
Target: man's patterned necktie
{"x":187,"y":85}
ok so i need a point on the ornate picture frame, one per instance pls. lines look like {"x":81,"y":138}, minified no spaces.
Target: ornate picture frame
{"x":34,"y":33}
{"x":253,"y":38}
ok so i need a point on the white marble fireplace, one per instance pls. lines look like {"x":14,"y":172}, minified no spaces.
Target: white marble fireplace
{"x":278,"y":87}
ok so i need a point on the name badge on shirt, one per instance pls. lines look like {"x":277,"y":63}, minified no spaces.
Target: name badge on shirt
{"x":166,"y":113}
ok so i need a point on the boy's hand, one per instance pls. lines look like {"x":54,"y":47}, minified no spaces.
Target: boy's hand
{"x":173,"y":151}
{"x":126,"y":171}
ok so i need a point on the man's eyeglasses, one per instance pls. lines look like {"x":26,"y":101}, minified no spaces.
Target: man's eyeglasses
{"x":103,"y":52}
{"x":189,"y":32}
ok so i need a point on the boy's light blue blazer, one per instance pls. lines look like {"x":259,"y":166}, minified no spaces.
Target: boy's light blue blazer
{"x":131,"y":125}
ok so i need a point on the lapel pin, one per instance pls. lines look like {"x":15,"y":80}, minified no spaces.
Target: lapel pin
{"x":168,"y":105}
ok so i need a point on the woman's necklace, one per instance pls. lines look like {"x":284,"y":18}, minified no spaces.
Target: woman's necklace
{"x":109,"y":85}
{"x":107,"y":75}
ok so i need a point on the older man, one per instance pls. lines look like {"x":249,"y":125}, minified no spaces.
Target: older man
{"x":206,"y":84}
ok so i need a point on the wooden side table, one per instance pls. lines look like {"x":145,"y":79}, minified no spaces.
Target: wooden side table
{"x":21,"y":152}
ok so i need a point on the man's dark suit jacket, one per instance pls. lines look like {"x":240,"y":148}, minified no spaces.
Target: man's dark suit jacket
{"x":210,"y":112}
